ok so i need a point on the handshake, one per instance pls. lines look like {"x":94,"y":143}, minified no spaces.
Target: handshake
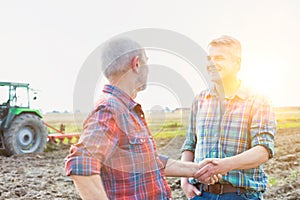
{"x":208,"y":171}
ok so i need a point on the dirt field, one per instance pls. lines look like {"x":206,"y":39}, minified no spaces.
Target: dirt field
{"x":41,"y":176}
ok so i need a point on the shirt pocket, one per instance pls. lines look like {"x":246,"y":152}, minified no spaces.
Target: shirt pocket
{"x":133,"y":155}
{"x":134,"y":140}
{"x":140,"y":150}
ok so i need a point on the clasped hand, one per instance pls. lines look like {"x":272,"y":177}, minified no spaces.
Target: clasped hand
{"x":211,"y":170}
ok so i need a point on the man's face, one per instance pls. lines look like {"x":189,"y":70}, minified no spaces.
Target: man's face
{"x":222,"y":63}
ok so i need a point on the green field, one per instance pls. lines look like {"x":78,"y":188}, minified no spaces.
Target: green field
{"x":167,"y":125}
{"x":288,"y":117}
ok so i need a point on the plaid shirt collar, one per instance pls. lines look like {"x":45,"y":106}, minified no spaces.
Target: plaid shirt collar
{"x":242,"y":93}
{"x":121,"y":95}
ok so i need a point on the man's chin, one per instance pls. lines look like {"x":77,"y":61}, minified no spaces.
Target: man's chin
{"x":217,"y":80}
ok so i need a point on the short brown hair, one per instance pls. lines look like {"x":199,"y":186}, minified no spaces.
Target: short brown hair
{"x":228,"y":41}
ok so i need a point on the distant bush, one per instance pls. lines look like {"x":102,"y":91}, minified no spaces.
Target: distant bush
{"x":172,"y":125}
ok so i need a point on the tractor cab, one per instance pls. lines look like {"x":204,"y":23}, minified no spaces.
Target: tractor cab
{"x":9,"y":98}
{"x":21,"y":128}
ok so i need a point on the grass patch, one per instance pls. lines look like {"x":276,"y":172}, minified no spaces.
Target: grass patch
{"x":273,"y":181}
{"x":169,"y":134}
{"x":288,"y":117}
{"x":172,"y":125}
{"x":294,"y":175}
{"x":290,"y":124}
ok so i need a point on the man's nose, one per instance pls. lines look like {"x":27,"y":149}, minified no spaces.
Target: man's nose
{"x":210,"y":65}
{"x":211,"y":62}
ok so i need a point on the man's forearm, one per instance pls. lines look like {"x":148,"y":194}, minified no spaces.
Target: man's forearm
{"x":187,"y":156}
{"x":246,"y":160}
{"x":184,"y":168}
{"x":90,"y":187}
{"x":250,"y":158}
{"x":176,"y":168}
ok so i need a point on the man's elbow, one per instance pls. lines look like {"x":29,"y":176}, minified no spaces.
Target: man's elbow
{"x":265,"y":154}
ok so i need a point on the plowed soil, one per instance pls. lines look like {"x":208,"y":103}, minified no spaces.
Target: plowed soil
{"x":41,"y":176}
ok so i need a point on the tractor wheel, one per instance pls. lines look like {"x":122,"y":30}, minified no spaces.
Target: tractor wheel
{"x":26,"y":134}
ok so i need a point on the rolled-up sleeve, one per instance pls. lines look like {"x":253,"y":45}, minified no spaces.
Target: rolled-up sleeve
{"x":263,"y":126}
{"x":96,"y":144}
{"x":79,"y":163}
{"x":190,"y":140}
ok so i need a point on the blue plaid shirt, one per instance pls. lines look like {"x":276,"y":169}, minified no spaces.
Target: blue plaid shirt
{"x":219,"y":129}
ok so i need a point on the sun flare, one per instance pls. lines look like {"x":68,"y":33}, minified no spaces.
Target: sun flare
{"x":263,"y":76}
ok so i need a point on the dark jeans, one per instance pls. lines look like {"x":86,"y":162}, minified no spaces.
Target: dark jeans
{"x":228,"y":196}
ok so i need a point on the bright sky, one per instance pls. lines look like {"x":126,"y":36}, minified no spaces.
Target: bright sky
{"x":45,"y":43}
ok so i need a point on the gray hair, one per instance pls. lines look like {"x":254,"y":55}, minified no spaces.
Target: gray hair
{"x":117,"y":55}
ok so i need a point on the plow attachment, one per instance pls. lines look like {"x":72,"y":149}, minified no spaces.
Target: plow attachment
{"x":60,"y":137}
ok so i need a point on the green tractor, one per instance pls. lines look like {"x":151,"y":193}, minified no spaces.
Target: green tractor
{"x":21,"y":128}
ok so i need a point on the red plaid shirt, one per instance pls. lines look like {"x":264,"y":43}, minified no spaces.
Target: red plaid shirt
{"x":116,"y":144}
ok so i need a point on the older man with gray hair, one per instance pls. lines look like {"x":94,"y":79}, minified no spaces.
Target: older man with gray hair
{"x":116,"y":155}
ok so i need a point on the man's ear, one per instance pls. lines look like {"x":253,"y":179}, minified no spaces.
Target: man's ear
{"x":239,"y":60}
{"x":239,"y":63}
{"x":135,"y":63}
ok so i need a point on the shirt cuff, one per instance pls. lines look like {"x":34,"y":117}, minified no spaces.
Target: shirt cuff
{"x":266,"y":140}
{"x":164,"y":159}
{"x":82,"y":165}
{"x":188,"y":146}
